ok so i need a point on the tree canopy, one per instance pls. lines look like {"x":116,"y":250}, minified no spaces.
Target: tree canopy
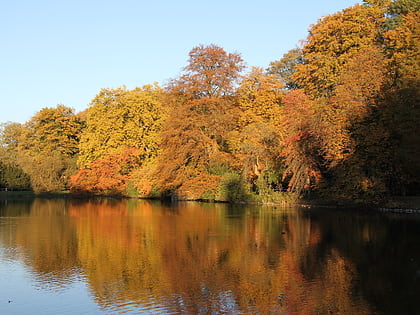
{"x":120,"y":118}
{"x":337,"y":118}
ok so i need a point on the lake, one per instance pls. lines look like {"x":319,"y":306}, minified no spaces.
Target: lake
{"x":110,"y":256}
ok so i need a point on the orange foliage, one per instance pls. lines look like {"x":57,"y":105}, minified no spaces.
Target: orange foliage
{"x":300,"y":145}
{"x":355,"y":98}
{"x":331,"y":42}
{"x":211,"y":72}
{"x":108,"y":175}
{"x":191,"y":140}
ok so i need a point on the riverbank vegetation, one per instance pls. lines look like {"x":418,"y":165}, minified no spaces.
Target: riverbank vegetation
{"x":337,"y":118}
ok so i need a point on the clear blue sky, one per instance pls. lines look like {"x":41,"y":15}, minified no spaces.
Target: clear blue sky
{"x":64,"y":51}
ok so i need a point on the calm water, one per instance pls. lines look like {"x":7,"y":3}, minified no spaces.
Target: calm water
{"x":142,"y":257}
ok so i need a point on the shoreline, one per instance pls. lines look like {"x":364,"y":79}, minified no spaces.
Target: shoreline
{"x":403,"y":205}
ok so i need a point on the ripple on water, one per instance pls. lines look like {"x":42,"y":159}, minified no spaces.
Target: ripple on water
{"x":147,"y":305}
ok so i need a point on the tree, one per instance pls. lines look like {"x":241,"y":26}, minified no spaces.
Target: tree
{"x":397,"y":9}
{"x":47,"y":147}
{"x":211,"y":72}
{"x":332,"y":42}
{"x":109,"y":175}
{"x":355,"y":134}
{"x":403,"y":47}
{"x":121,"y":118}
{"x":259,"y":97}
{"x":357,"y":97}
{"x":191,"y":140}
{"x":9,"y":135}
{"x":301,"y":151}
{"x":47,"y":170}
{"x":203,"y":113}
{"x":286,"y":67}
{"x":11,"y":175}
{"x":257,"y":139}
{"x":52,"y":129}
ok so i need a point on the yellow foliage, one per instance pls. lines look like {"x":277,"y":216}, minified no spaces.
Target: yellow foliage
{"x":332,"y":42}
{"x":361,"y":85}
{"x":51,"y":129}
{"x":404,"y":46}
{"x":259,"y":97}
{"x":121,"y":118}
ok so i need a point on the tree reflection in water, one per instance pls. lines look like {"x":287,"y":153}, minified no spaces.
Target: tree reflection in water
{"x":216,"y":258}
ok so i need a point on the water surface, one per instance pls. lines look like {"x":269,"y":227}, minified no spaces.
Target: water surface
{"x":143,"y":257}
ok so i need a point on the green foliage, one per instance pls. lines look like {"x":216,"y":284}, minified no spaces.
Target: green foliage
{"x":232,"y":188}
{"x":131,"y":190}
{"x":286,"y":67}
{"x":398,"y":9}
{"x":13,"y":177}
{"x":219,"y":167}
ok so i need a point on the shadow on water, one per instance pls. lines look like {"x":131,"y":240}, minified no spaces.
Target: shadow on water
{"x":384,"y":249}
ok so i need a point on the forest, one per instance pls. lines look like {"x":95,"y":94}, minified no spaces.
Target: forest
{"x":337,"y":118}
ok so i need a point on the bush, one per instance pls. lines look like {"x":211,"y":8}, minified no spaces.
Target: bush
{"x":232,"y":188}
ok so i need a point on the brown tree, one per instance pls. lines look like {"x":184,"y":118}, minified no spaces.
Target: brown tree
{"x":203,"y":113}
{"x":211,"y":72}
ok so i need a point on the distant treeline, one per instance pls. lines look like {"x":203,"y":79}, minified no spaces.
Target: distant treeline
{"x":338,"y":117}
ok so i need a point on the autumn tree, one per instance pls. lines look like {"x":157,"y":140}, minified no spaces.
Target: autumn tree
{"x":397,"y":9}
{"x":332,"y":42}
{"x":109,"y":175}
{"x":348,"y":139}
{"x":52,"y":129}
{"x":203,"y":112}
{"x":256,"y":141}
{"x":9,"y":139}
{"x":11,"y":175}
{"x":120,"y":118}
{"x":259,"y":97}
{"x":211,"y":72}
{"x":361,"y":82}
{"x":192,"y":141}
{"x":356,"y":97}
{"x":47,"y":147}
{"x":357,"y":147}
{"x":301,"y":150}
{"x":403,"y":98}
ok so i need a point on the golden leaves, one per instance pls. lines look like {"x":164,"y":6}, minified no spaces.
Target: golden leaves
{"x":331,"y":42}
{"x":119,"y":118}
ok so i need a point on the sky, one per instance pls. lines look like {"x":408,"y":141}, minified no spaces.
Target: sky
{"x":64,"y":51}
